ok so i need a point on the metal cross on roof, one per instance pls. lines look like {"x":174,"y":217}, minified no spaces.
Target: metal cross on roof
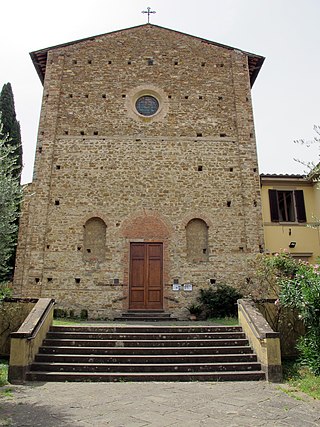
{"x":149,"y":11}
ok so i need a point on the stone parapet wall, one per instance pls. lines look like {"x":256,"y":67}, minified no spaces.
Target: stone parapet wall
{"x":13,"y":312}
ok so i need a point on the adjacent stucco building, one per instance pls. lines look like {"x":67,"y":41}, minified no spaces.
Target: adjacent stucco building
{"x":146,"y":185}
{"x":291,"y":207}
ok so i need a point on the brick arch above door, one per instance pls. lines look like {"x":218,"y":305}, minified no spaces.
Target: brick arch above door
{"x":147,"y":225}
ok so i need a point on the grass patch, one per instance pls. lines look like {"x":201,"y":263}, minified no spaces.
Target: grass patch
{"x":6,"y":392}
{"x":300,"y":379}
{"x":3,"y":372}
{"x":224,"y":321}
{"x":66,"y":322}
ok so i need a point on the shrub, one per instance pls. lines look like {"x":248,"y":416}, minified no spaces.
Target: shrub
{"x":195,"y":309}
{"x":84,"y":314}
{"x":3,"y":372}
{"x":297,"y":287}
{"x":309,"y":348}
{"x":5,"y":291}
{"x":59,"y":313}
{"x":302,"y":292}
{"x":267,"y":270}
{"x":220,"y":302}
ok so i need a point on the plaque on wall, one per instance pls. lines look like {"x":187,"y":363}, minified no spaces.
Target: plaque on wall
{"x":187,"y":287}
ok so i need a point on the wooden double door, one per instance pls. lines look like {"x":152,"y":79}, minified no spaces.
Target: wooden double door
{"x":146,"y":272}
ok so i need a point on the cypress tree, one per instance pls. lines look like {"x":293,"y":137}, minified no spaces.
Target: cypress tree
{"x":11,"y":127}
{"x":10,"y":197}
{"x":11,"y":167}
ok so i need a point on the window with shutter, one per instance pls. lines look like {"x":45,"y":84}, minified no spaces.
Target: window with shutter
{"x":287,"y":206}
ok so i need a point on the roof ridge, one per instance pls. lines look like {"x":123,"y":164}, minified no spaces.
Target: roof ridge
{"x":39,"y":57}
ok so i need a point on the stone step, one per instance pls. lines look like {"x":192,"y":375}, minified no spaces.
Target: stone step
{"x":143,"y":315}
{"x":144,"y":350}
{"x":145,"y":367}
{"x":144,"y":319}
{"x":144,"y":328}
{"x":104,"y":336}
{"x":145,"y":353}
{"x":141,"y":310}
{"x":144,"y":358}
{"x":143,"y":376}
{"x":146,"y":343}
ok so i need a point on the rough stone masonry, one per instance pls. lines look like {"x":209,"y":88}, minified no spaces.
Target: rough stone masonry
{"x":146,"y":182}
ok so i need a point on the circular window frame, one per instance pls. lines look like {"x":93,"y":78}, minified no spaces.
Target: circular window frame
{"x":147,"y":90}
{"x":156,"y":105}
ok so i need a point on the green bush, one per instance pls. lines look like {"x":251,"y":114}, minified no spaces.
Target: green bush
{"x":59,"y":313}
{"x":84,"y":314}
{"x":266,"y":270}
{"x":309,"y":348}
{"x":220,"y":302}
{"x":195,"y":309}
{"x":3,"y":372}
{"x":301,"y":291}
{"x":5,"y":291}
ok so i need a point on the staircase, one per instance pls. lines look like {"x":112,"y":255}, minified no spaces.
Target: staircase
{"x":145,"y":316}
{"x":145,"y":353}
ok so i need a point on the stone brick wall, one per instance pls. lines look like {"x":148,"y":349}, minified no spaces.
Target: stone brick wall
{"x":146,"y":178}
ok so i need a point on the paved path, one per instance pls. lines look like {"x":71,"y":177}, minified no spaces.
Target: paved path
{"x":156,"y":404}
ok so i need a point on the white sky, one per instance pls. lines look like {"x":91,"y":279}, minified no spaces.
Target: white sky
{"x":286,"y":93}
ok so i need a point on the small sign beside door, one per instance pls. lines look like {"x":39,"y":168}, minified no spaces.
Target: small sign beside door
{"x":187,"y":287}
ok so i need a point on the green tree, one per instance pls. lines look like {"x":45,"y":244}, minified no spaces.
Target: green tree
{"x":11,"y":127}
{"x":10,"y":198}
{"x":297,"y":287}
{"x":301,"y":291}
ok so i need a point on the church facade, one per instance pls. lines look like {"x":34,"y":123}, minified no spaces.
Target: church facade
{"x":146,"y":183}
